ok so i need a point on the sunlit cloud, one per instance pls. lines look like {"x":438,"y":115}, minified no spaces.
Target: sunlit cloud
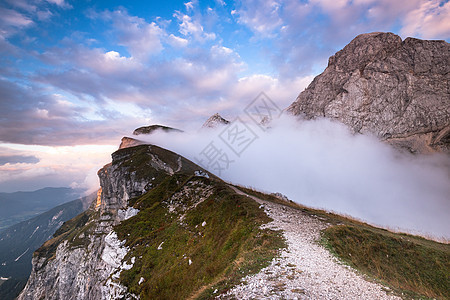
{"x":47,"y":166}
{"x":430,"y":20}
{"x":74,"y":73}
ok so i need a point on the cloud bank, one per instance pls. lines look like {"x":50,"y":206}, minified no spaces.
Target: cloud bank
{"x":321,"y":164}
{"x":74,"y":166}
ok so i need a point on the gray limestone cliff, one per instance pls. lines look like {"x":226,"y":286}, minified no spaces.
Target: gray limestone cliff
{"x":85,"y":258}
{"x":378,"y":84}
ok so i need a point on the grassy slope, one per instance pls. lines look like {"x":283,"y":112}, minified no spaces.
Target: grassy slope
{"x":230,"y":245}
{"x":408,"y":264}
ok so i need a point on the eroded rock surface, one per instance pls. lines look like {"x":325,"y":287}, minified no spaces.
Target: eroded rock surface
{"x":84,"y":261}
{"x":378,"y":84}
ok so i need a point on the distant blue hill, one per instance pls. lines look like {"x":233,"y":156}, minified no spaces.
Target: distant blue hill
{"x":20,"y":206}
{"x":18,"y":242}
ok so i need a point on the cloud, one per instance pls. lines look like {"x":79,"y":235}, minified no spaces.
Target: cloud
{"x":176,"y":41}
{"x":189,"y":5}
{"x":142,"y":39}
{"x":25,"y":5}
{"x":60,"y":3}
{"x":221,"y":2}
{"x":96,"y":84}
{"x":263,"y":17}
{"x":190,"y":27}
{"x":199,"y":77}
{"x":429,"y":20}
{"x":56,"y":166}
{"x":321,"y":164}
{"x":15,"y":159}
{"x":30,"y":115}
{"x":12,"y":21}
{"x":20,"y":15}
{"x":299,"y":36}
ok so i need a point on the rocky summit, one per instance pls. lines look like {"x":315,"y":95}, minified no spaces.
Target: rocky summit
{"x":153,"y":128}
{"x":378,"y":84}
{"x":214,"y":121}
{"x":161,"y":228}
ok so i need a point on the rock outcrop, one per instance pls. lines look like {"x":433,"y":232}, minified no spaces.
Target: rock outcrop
{"x":128,"y":142}
{"x":378,"y":84}
{"x":85,"y":258}
{"x":215,"y":121}
{"x":164,"y":228}
{"x":152,"y":128}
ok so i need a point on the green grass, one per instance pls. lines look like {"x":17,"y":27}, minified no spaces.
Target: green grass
{"x":410,"y":265}
{"x":229,"y":247}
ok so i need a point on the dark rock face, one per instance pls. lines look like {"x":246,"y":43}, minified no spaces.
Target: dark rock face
{"x":152,"y":128}
{"x":378,"y":84}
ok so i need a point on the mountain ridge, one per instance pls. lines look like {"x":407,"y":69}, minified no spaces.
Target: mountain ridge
{"x":20,"y":206}
{"x":378,"y":84}
{"x":148,"y":188}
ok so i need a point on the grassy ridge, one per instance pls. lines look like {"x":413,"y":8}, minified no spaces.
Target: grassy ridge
{"x":230,"y":245}
{"x":411,"y":265}
{"x":405,"y":263}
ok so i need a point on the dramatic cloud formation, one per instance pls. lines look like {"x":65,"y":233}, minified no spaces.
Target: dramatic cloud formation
{"x":320,"y":164}
{"x":84,"y":73}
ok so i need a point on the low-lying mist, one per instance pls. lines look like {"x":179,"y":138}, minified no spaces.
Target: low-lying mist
{"x":322,"y":165}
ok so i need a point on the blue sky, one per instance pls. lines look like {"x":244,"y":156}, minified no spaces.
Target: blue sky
{"x":77,"y":74}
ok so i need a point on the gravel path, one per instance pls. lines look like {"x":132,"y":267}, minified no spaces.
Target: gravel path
{"x":305,"y":269}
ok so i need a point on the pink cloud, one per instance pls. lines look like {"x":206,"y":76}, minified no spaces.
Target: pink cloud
{"x":429,"y":20}
{"x":263,"y":17}
{"x":142,"y":39}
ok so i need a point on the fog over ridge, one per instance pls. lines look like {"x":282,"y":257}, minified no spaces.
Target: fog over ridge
{"x":320,"y":164}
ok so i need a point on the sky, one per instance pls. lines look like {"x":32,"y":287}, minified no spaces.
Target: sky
{"x":76,"y":76}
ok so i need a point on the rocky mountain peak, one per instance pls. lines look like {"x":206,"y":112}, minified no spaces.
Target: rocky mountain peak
{"x":378,"y":84}
{"x":127,"y":142}
{"x":214,"y":121}
{"x":363,"y":49}
{"x":85,"y":257}
{"x":152,"y":128}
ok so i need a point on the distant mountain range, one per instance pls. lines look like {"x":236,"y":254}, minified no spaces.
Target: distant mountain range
{"x":18,"y":242}
{"x":21,"y":206}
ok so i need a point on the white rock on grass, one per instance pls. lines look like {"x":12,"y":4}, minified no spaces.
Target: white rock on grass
{"x":114,"y":252}
{"x":128,"y":213}
{"x":160,"y":246}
